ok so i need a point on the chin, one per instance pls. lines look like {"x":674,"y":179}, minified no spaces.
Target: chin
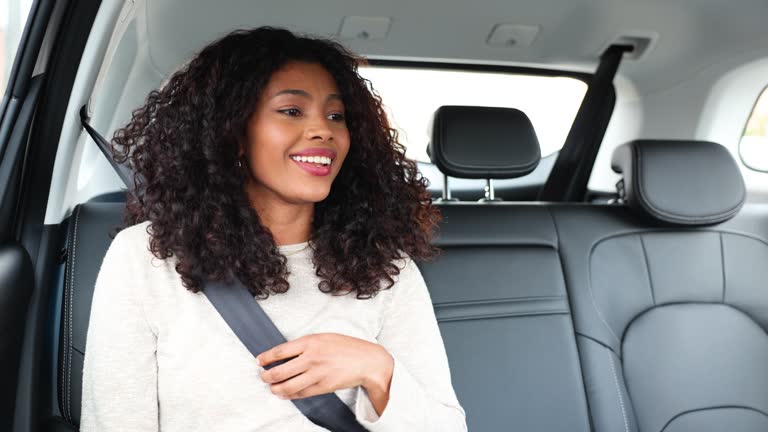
{"x":312,"y":196}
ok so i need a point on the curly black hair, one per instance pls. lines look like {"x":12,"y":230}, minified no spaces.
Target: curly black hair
{"x":182,"y":146}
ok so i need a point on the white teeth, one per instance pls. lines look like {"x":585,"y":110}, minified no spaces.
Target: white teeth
{"x":313,"y":159}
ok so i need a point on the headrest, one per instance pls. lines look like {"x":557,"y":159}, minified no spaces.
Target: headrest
{"x":680,"y":182}
{"x":483,"y":142}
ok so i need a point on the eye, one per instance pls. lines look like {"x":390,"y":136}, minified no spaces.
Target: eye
{"x":291,"y":112}
{"x":339,"y":117}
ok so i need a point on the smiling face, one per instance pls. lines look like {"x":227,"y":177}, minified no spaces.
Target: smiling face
{"x":297,"y":138}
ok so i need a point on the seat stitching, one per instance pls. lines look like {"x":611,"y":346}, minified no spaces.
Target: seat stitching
{"x":65,"y":302}
{"x":71,"y":295}
{"x":744,"y":407}
{"x":722,"y":263}
{"x":618,"y":390}
{"x":592,"y":295}
{"x":678,"y":303}
{"x":648,"y":269}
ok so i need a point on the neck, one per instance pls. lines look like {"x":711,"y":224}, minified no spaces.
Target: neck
{"x":289,"y":223}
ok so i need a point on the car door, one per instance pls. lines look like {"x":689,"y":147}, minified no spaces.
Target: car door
{"x":22,"y":94}
{"x":37,"y":85}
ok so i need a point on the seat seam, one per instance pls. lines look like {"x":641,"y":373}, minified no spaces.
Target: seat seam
{"x":618,"y":390}
{"x":678,"y":303}
{"x":65,"y":306}
{"x":592,"y":294}
{"x":722,"y":263}
{"x":678,"y":230}
{"x":598,"y":342}
{"x":648,"y":269}
{"x":711,"y":408}
{"x":72,"y":294}
{"x":499,"y":300}
{"x":631,"y":232}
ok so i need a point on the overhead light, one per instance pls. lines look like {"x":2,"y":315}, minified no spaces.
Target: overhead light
{"x":512,"y":35}
{"x":365,"y":28}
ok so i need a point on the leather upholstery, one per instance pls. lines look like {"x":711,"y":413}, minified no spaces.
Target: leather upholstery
{"x":88,"y":239}
{"x":680,"y":182}
{"x":500,"y":300}
{"x":671,"y":323}
{"x":570,"y":317}
{"x":671,"y":320}
{"x":483,"y":142}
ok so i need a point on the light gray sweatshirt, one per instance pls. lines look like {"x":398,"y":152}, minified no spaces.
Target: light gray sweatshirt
{"x":160,"y":358}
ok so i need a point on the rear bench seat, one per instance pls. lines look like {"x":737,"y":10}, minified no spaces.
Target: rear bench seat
{"x":670,"y":320}
{"x":668,"y":292}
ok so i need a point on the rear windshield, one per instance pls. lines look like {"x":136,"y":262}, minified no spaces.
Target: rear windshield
{"x":411,"y":96}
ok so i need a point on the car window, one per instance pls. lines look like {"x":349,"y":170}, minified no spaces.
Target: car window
{"x":411,"y":96}
{"x":753,"y":147}
{"x":13,"y":16}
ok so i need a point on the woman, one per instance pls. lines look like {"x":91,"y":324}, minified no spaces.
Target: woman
{"x":268,"y":159}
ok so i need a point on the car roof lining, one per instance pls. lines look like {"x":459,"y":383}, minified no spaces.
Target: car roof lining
{"x":572,"y":34}
{"x":664,"y":93}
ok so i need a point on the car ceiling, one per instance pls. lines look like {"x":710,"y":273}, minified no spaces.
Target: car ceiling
{"x":690,"y":35}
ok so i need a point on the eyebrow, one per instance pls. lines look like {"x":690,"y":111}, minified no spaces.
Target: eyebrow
{"x":302,"y":93}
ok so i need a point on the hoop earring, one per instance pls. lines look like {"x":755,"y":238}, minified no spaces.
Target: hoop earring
{"x":239,"y":163}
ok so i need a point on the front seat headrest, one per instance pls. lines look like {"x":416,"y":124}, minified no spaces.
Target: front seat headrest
{"x":483,"y":142}
{"x":680,"y":182}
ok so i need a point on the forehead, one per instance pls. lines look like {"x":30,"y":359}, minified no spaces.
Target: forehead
{"x":310,"y":77}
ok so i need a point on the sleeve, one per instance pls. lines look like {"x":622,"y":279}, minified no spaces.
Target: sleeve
{"x":120,"y":368}
{"x":421,"y":396}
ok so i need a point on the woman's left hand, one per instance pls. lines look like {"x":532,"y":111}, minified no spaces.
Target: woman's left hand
{"x":326,"y":362}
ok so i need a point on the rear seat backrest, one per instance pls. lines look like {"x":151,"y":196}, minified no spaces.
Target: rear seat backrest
{"x":671,"y":311}
{"x":498,"y":287}
{"x":88,"y":239}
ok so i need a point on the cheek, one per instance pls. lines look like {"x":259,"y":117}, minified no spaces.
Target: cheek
{"x":269,"y":143}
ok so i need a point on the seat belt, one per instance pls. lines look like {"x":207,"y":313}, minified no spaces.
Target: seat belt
{"x":570,"y":174}
{"x":249,"y":322}
{"x":122,"y":170}
{"x":258,"y":333}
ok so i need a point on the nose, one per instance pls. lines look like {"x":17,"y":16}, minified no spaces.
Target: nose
{"x":319,"y":130}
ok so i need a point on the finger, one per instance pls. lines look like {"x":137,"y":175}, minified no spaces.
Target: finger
{"x":295,"y":384}
{"x":315,"y":389}
{"x":281,"y":352}
{"x":285,"y":371}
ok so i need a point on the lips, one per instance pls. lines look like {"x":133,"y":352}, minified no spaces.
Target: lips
{"x":315,"y":161}
{"x":314,"y":169}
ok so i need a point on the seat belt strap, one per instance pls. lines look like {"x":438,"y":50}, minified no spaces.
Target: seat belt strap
{"x":125,"y":173}
{"x":570,"y":174}
{"x":258,"y":333}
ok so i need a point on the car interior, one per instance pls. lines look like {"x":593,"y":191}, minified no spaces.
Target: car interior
{"x":613,"y":281}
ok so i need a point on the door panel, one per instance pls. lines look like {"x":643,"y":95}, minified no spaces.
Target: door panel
{"x":16,"y":284}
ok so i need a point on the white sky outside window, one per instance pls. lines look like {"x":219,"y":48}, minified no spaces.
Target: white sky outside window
{"x":411,"y":96}
{"x":13,"y":17}
{"x":754,"y":144}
